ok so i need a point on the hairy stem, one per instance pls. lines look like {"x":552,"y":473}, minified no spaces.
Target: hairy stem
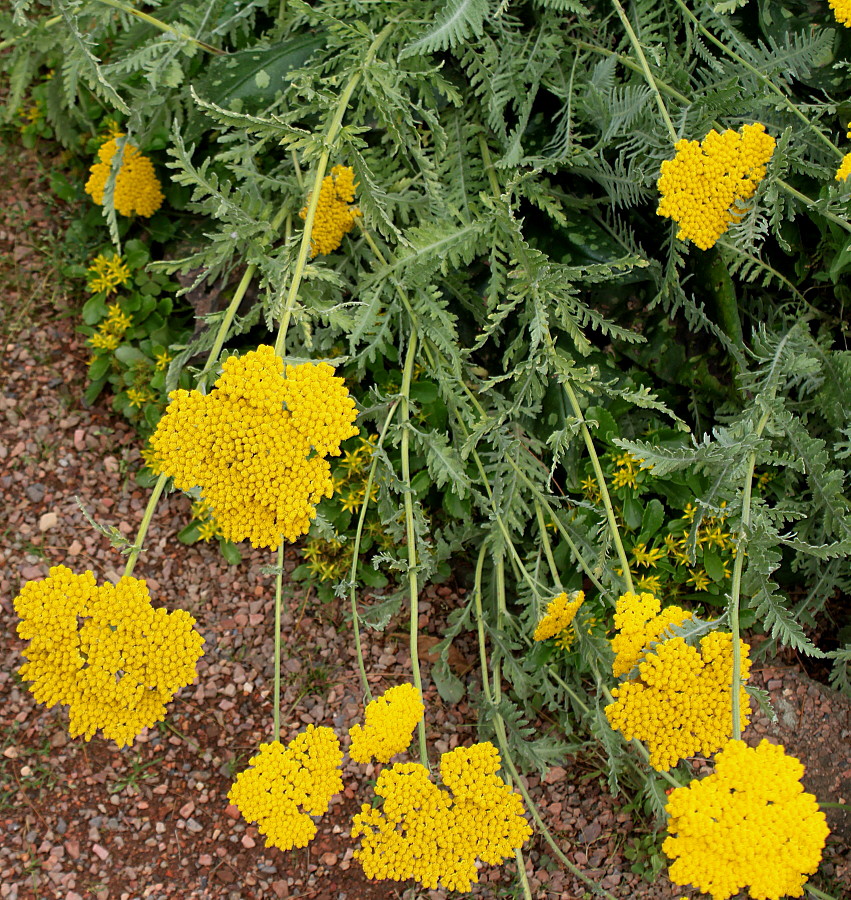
{"x":807,"y":201}
{"x":146,"y":521}
{"x":645,"y":68}
{"x":356,"y":552}
{"x":276,"y":693}
{"x":601,"y":482}
{"x":545,"y":540}
{"x":163,"y":26}
{"x":46,"y":23}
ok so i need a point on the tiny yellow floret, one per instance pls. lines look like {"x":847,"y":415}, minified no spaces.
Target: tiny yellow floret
{"x":703,"y":185}
{"x":844,"y":169}
{"x":285,"y":786}
{"x":104,"y":651}
{"x":680,"y":703}
{"x":561,"y":611}
{"x":433,"y":836}
{"x":640,"y":619}
{"x":748,"y":825}
{"x":256,"y":445}
{"x":334,"y":216}
{"x":841,"y":11}
{"x":390,"y":721}
{"x":137,"y":188}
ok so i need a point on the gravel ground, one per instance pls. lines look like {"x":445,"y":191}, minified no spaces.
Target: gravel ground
{"x":85,"y":820}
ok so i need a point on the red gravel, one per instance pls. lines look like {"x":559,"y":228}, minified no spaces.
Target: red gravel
{"x":82,"y":820}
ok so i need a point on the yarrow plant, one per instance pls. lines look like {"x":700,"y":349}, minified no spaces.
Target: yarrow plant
{"x":104,"y":651}
{"x":137,"y":189}
{"x":749,"y":825}
{"x":560,"y":614}
{"x":335,"y":217}
{"x":389,"y":723}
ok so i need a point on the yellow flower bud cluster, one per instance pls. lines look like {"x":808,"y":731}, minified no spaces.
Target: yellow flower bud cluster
{"x":680,"y":704}
{"x":334,"y":217}
{"x":137,"y":188}
{"x":749,"y":824}
{"x":841,"y":11}
{"x":104,"y":651}
{"x":561,"y":611}
{"x":640,"y":619}
{"x":701,"y":185}
{"x":288,"y":785}
{"x":390,"y":721}
{"x":106,"y":273}
{"x":434,"y":837}
{"x":256,"y":444}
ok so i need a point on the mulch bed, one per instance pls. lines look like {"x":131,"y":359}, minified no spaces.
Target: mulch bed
{"x":85,"y":820}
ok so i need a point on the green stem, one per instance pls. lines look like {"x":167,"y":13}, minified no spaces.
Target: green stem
{"x":411,"y":536}
{"x":143,"y":527}
{"x":815,"y":892}
{"x":356,"y":551}
{"x":47,"y":23}
{"x":486,"y":158}
{"x":318,"y":175}
{"x":601,"y":482}
{"x":545,"y":540}
{"x":276,"y":694}
{"x":736,"y":586}
{"x":645,"y":68}
{"x":163,"y":26}
{"x":792,"y":192}
{"x":766,"y":81}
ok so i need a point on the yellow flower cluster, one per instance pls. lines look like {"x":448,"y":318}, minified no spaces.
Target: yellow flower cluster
{"x":104,"y":651}
{"x":841,"y":11}
{"x":256,"y":444}
{"x":700,"y":187}
{"x":106,"y":273}
{"x":137,"y":188}
{"x":424,"y":833}
{"x":390,"y":721}
{"x":680,"y":703}
{"x":640,"y":619}
{"x":561,"y":611}
{"x":288,"y":785}
{"x":334,"y":217}
{"x":750,"y":823}
{"x":111,"y":329}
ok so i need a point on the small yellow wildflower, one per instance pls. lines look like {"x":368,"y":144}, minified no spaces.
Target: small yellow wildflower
{"x":104,"y":651}
{"x":747,"y":825}
{"x":624,"y":478}
{"x":645,"y":557}
{"x":334,"y":217}
{"x":560,"y":613}
{"x":208,"y":530}
{"x":163,"y":358}
{"x":285,"y":786}
{"x":677,"y":549}
{"x":702,"y":185}
{"x":842,"y":13}
{"x":680,"y":702}
{"x":652,"y":584}
{"x":640,"y":619}
{"x":689,"y":512}
{"x":590,"y":488}
{"x":117,"y":322}
{"x":699,"y":579}
{"x":390,"y":721}
{"x":256,"y":444}
{"x":844,"y":169}
{"x":139,"y":398}
{"x":137,"y":188}
{"x":104,"y":340}
{"x":435,"y":837}
{"x":149,"y":457}
{"x":106,"y":273}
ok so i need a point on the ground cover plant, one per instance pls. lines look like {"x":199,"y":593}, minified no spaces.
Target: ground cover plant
{"x":461,"y":334}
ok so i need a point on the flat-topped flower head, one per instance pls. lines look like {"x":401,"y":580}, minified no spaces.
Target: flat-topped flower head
{"x":561,"y":611}
{"x":256,"y":444}
{"x":841,"y":11}
{"x":285,"y":786}
{"x":703,"y":185}
{"x":680,"y":702}
{"x":748,"y":826}
{"x":137,"y":188}
{"x":390,"y":721}
{"x":334,"y":216}
{"x":434,"y":836}
{"x":640,"y":619}
{"x":104,"y":651}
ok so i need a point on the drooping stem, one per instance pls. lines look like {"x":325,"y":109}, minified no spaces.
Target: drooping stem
{"x":318,"y":175}
{"x":163,"y":26}
{"x":356,"y":552}
{"x":645,"y":68}
{"x":146,"y":521}
{"x":807,"y":201}
{"x":601,"y":482}
{"x":276,"y":691}
{"x":410,"y":532}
